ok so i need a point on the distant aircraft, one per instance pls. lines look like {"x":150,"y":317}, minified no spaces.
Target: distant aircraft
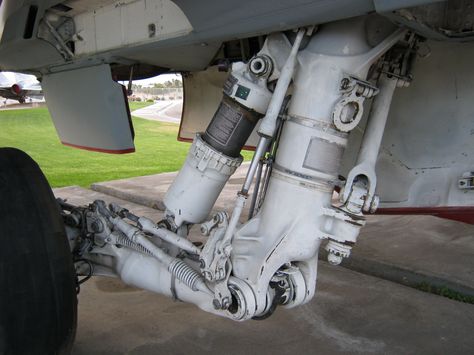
{"x":17,"y":86}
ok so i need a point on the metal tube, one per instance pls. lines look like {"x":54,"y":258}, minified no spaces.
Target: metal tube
{"x":256,"y":190}
{"x":177,"y":267}
{"x":268,"y":125}
{"x":266,"y":131}
{"x":147,"y":225}
{"x":136,"y":236}
{"x":58,"y":38}
{"x":234,"y":220}
{"x":259,"y":152}
{"x":371,"y":142}
{"x":378,"y":118}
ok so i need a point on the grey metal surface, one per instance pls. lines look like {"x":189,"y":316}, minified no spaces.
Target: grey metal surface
{"x":428,"y":141}
{"x":89,"y":109}
{"x":213,"y":21}
{"x":390,"y":5}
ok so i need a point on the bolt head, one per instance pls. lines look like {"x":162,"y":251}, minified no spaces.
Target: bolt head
{"x":334,"y":259}
{"x":96,"y":226}
{"x":216,"y":304}
{"x":260,"y":65}
{"x":345,"y":83}
{"x":375,"y":204}
{"x":225,"y":303}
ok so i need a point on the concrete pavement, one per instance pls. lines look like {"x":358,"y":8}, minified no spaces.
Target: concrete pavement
{"x":351,"y":313}
{"x":417,"y":249}
{"x":14,"y":105}
{"x":165,"y":111}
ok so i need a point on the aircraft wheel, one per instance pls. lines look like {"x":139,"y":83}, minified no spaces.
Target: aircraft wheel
{"x":38,"y":300}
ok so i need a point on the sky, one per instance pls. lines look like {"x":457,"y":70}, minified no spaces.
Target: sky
{"x":156,"y":79}
{"x":145,"y":82}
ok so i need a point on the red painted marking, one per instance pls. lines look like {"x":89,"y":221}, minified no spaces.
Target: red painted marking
{"x":457,"y":213}
{"x":16,"y":89}
{"x":187,"y":140}
{"x":93,"y":149}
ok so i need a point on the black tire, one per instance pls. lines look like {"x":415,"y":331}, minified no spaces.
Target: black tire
{"x":38,"y":301}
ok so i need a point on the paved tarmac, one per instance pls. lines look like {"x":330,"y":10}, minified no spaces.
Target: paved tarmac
{"x":351,"y":313}
{"x":426,"y":248}
{"x":164,"y":111}
{"x":14,"y":105}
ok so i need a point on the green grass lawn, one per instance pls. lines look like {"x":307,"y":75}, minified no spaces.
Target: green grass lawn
{"x":32,"y":131}
{"x":135,"y":105}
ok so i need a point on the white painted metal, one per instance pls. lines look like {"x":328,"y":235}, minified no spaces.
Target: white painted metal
{"x":184,"y":198}
{"x":7,"y":10}
{"x":195,"y":190}
{"x":371,"y":143}
{"x":259,"y":95}
{"x":124,"y":23}
{"x":92,"y":113}
{"x":297,"y":212}
{"x":428,"y":140}
{"x":279,"y":246}
{"x":268,"y":125}
{"x":135,"y":236}
{"x":266,"y":130}
{"x":294,"y":219}
{"x":147,"y":225}
{"x":148,"y":273}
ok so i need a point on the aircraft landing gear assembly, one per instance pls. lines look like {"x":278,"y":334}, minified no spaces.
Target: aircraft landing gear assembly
{"x":304,"y":92}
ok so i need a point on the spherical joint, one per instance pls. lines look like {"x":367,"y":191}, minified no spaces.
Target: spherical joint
{"x":243,"y":305}
{"x":337,"y":251}
{"x":260,"y":65}
{"x":334,"y":259}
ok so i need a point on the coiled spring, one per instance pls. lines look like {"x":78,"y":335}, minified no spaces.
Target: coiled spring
{"x":184,"y":273}
{"x":123,"y":240}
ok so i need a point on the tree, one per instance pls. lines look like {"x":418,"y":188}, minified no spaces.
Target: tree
{"x":173,"y":83}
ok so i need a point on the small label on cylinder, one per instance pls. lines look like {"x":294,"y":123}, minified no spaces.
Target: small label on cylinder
{"x":229,"y":85}
{"x":242,"y":92}
{"x":224,"y":123}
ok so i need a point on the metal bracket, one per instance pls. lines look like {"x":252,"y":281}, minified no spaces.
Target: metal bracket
{"x":349,"y":110}
{"x":58,"y":41}
{"x":466,"y":182}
